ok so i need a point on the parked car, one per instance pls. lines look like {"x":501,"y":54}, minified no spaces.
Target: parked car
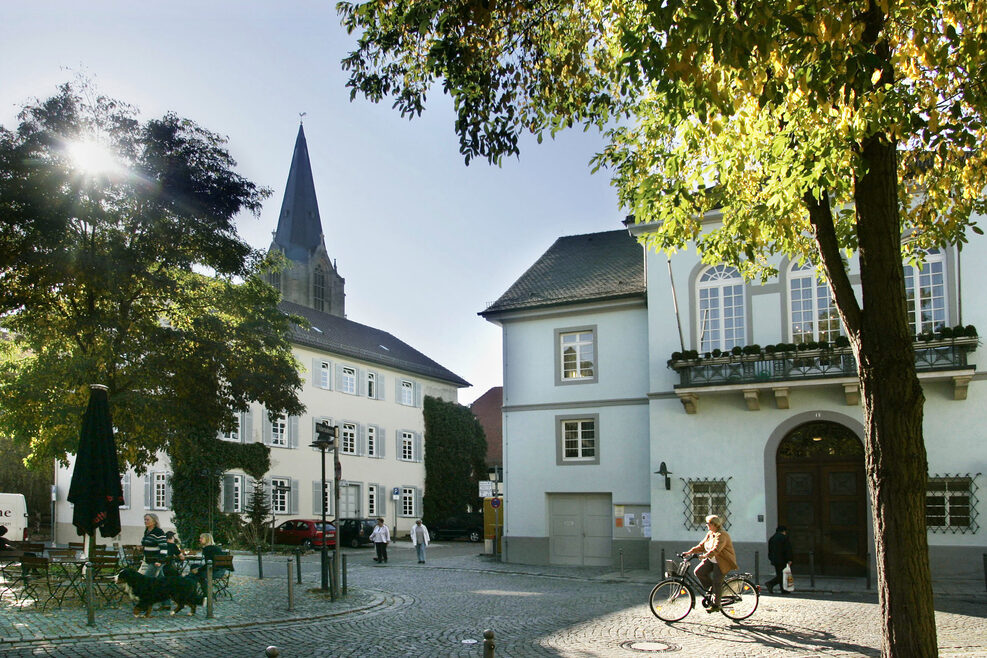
{"x":355,"y":532}
{"x":303,"y":532}
{"x":464,"y":526}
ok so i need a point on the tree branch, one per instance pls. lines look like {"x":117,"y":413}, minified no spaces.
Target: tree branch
{"x":824,"y":232}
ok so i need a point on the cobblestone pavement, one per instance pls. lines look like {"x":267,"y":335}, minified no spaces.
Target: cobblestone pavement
{"x":442,"y":608}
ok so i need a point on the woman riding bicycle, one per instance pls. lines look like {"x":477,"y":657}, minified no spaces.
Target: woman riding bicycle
{"x":718,"y":557}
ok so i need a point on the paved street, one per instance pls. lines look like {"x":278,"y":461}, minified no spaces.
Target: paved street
{"x":442,"y":608}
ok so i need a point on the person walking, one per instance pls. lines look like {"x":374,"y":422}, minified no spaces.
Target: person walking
{"x":780,"y":556}
{"x":155,"y":546}
{"x":718,"y":557}
{"x":381,"y":537}
{"x":419,"y":539}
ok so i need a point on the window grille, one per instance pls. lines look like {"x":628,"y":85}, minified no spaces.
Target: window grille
{"x":951,"y":504}
{"x":704,"y":497}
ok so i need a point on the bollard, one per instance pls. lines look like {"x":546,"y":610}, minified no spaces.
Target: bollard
{"x":344,"y":574}
{"x":488,"y":644}
{"x":260,"y":564}
{"x":291,"y":588}
{"x":757,"y":566}
{"x":332,"y":577}
{"x":209,"y":598}
{"x":662,"y":563}
{"x":298,"y":564}
{"x":812,"y":569}
{"x":985,"y":569}
{"x":867,"y":568}
{"x":621,"y":554}
{"x":89,"y":594}
{"x":272,"y":652}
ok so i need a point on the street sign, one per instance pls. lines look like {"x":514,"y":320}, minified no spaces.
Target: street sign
{"x":326,"y":431}
{"x":495,"y":503}
{"x":486,"y":488}
{"x":395,"y":493}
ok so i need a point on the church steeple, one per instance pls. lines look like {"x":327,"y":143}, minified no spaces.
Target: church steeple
{"x":311,"y":278}
{"x":299,"y":230}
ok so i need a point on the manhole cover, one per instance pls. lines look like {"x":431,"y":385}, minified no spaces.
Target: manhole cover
{"x":650,"y":646}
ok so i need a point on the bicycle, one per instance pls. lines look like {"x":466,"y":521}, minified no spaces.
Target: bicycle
{"x":675,"y":596}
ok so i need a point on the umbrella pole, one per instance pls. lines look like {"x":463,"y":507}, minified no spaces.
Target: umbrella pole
{"x":90,"y":594}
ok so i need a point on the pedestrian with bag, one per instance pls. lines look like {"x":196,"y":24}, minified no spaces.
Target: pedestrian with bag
{"x":419,"y":539}
{"x":780,"y":557}
{"x":381,"y":537}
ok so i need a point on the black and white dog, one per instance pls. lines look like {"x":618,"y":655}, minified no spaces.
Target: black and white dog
{"x":182,"y":590}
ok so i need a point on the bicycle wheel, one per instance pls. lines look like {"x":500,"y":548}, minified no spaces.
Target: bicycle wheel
{"x":671,"y":600}
{"x":739,"y":599}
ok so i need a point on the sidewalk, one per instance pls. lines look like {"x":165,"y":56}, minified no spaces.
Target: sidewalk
{"x":266,"y":601}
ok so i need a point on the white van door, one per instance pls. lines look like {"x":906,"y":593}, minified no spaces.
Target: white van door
{"x":13,"y":515}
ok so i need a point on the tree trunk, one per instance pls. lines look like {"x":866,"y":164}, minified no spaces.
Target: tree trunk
{"x":893,"y":402}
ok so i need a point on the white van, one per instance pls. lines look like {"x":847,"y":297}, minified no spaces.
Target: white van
{"x":13,"y":514}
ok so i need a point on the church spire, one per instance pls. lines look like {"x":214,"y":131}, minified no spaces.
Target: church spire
{"x":299,"y":231}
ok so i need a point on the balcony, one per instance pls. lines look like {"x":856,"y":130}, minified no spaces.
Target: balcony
{"x":777,"y":372}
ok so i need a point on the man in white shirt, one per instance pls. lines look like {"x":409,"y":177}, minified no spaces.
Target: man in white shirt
{"x":419,"y":539}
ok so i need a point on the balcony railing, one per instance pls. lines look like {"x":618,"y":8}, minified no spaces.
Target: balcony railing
{"x":949,"y":354}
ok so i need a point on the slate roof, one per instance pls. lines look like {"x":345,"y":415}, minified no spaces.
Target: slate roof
{"x":579,"y":268}
{"x":331,"y":333}
{"x":299,"y":231}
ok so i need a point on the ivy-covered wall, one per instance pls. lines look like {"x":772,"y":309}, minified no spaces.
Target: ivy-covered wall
{"x":455,"y":453}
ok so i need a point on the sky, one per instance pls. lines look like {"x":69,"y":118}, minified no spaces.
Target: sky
{"x":423,"y":241}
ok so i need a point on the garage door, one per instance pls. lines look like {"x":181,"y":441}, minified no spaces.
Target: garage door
{"x":579,"y":529}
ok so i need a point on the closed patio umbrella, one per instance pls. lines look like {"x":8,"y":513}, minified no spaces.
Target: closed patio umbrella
{"x":95,"y":490}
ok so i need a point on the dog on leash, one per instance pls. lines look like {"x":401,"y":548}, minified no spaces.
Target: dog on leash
{"x":182,"y":590}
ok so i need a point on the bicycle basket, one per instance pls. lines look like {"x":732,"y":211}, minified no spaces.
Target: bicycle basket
{"x":676,"y":567}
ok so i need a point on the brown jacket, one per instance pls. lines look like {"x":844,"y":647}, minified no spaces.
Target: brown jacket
{"x":719,"y":545}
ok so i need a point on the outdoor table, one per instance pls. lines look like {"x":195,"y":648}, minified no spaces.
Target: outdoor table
{"x":70,"y":572}
{"x":8,"y":559}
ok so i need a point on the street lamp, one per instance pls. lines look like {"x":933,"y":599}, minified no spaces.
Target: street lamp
{"x":325,"y":438}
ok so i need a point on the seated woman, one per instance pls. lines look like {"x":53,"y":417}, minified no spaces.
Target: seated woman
{"x":209,"y":551}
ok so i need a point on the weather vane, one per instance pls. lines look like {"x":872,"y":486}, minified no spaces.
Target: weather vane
{"x":301,"y":117}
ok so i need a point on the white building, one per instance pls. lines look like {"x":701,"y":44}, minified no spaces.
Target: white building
{"x":362,"y":379}
{"x":593,"y":409}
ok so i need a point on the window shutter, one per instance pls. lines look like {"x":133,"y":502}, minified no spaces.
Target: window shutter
{"x":125,"y":483}
{"x":317,"y":497}
{"x":361,"y":382}
{"x":380,"y":386}
{"x":317,"y":373}
{"x":266,"y":438}
{"x":417,"y":447}
{"x":148,"y":480}
{"x":397,"y":446}
{"x":229,"y":483}
{"x":168,"y":491}
{"x":294,"y":497}
{"x":397,"y":390}
{"x":417,"y":394}
{"x":293,"y":431}
{"x":381,"y":501}
{"x":247,"y":427}
{"x":361,"y":440}
{"x":339,"y":378}
{"x":418,"y":502}
{"x":381,"y":442}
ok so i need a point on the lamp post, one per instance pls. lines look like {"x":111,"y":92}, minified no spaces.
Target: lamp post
{"x":325,"y":438}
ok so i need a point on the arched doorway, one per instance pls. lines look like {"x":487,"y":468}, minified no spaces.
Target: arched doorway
{"x":822,"y":497}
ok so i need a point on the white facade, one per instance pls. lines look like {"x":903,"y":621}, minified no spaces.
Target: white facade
{"x":722,"y":441}
{"x":386,"y":452}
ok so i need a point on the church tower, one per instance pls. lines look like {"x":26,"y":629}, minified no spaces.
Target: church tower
{"x":310,"y":279}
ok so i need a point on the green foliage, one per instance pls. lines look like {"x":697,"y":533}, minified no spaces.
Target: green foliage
{"x":101,"y":282}
{"x":258,"y":515}
{"x":455,"y":454}
{"x":197,"y":469}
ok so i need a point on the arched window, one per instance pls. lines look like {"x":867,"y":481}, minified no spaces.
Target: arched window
{"x":813,"y":314}
{"x":925,"y":292}
{"x":319,"y":289}
{"x":721,"y":308}
{"x":275,"y":280}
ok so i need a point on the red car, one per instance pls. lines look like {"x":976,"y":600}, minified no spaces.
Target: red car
{"x":303,"y":532}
